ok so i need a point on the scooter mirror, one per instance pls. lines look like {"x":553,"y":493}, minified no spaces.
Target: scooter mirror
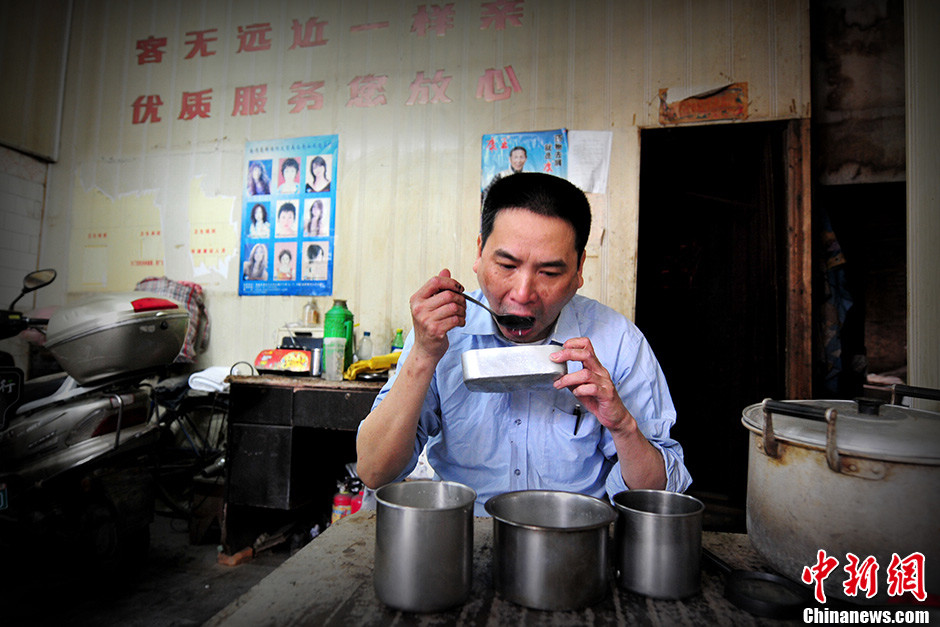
{"x":37,"y":279}
{"x":34,"y":280}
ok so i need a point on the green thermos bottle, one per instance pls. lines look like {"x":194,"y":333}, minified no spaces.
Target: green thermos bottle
{"x":338,"y":322}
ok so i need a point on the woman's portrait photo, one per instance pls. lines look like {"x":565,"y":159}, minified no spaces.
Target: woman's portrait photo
{"x":286,"y":219}
{"x":259,"y":226}
{"x":284,"y":261}
{"x":318,"y":175}
{"x":316,"y":217}
{"x":289,"y":176}
{"x":259,"y":178}
{"x":315,"y":261}
{"x":256,"y":267}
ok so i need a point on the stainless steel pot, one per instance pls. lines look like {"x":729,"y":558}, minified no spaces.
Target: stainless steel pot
{"x":423,"y":545}
{"x":550,"y":548}
{"x":658,"y":540}
{"x":843,"y":477}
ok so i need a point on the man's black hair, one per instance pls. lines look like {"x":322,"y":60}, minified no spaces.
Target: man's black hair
{"x":544,"y":194}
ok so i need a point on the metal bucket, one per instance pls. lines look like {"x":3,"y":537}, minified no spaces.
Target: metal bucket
{"x":550,"y":549}
{"x":423,"y":545}
{"x":658,"y":540}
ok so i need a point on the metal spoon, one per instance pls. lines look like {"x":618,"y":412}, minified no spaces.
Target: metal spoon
{"x":510,"y":321}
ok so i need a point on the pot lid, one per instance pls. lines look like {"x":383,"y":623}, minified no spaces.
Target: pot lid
{"x":895,"y":433}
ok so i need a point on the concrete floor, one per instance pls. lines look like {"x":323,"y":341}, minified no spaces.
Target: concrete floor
{"x":180,"y":584}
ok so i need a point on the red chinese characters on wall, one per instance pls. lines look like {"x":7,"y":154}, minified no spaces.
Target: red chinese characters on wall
{"x":306,"y":96}
{"x":499,"y":14}
{"x":250,"y":100}
{"x":308,"y":35}
{"x":147,"y":109}
{"x":199,"y":44}
{"x":151,"y":50}
{"x":254,"y":38}
{"x":437,"y":19}
{"x":429,"y":90}
{"x":196,"y":104}
{"x":365,"y":91}
{"x":492,"y":86}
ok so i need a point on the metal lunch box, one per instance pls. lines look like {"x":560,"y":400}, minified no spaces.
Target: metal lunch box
{"x":510,"y":368}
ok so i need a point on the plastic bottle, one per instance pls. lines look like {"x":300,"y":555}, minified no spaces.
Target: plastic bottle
{"x":311,"y":315}
{"x":364,"y":350}
{"x":399,"y":342}
{"x":338,"y":322}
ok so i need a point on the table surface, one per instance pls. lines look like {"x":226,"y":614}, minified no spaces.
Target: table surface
{"x":329,"y":582}
{"x":286,"y":381}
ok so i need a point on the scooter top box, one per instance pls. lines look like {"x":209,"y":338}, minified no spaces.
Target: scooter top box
{"x":106,"y":335}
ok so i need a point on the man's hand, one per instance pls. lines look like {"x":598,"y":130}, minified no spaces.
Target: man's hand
{"x":641,"y":464}
{"x":435,"y":311}
{"x":592,"y":385}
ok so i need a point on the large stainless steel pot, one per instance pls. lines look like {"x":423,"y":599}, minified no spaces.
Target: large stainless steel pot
{"x":844,"y":478}
{"x":550,"y":548}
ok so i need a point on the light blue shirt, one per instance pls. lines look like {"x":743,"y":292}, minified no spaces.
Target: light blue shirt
{"x":525,"y":440}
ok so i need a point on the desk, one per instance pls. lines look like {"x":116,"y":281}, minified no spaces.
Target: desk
{"x":329,"y":582}
{"x":289,"y":440}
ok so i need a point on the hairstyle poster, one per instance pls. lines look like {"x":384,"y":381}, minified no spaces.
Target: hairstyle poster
{"x":288,"y":217}
{"x":509,"y":153}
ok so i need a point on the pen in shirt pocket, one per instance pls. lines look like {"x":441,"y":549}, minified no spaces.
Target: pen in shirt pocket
{"x":577,"y":418}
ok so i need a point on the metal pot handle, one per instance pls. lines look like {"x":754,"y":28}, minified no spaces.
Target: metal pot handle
{"x":825,"y":414}
{"x":899,"y":391}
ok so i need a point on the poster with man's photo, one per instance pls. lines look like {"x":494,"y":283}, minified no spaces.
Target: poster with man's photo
{"x":288,"y":217}
{"x":505,"y":154}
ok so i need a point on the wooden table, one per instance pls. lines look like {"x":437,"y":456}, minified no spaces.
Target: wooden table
{"x":329,"y":582}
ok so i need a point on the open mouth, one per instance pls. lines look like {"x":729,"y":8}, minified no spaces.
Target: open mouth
{"x":514,"y":322}
{"x":517,"y":333}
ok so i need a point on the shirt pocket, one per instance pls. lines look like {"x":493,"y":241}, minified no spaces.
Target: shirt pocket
{"x":566,"y":458}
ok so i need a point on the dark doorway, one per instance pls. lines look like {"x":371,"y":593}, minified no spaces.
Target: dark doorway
{"x":711,"y":288}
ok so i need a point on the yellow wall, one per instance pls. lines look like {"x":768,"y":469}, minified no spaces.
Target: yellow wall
{"x":408,"y":192}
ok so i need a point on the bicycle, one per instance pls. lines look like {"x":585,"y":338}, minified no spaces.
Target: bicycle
{"x":193,"y":425}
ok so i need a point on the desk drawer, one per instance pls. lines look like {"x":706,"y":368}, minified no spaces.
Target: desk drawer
{"x":260,"y":405}
{"x":332,"y":409}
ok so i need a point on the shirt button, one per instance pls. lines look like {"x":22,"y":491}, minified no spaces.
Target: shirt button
{"x":518,"y":421}
{"x":518,"y":472}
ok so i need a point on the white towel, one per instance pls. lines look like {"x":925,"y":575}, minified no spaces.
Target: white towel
{"x":212,"y":379}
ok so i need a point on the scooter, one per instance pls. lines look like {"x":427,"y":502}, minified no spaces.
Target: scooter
{"x":73,"y":445}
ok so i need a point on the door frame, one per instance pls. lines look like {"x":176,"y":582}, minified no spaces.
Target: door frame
{"x":798,"y":360}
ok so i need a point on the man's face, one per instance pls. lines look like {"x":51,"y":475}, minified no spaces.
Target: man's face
{"x":529,"y":267}
{"x":517,"y":160}
{"x":286,"y":219}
